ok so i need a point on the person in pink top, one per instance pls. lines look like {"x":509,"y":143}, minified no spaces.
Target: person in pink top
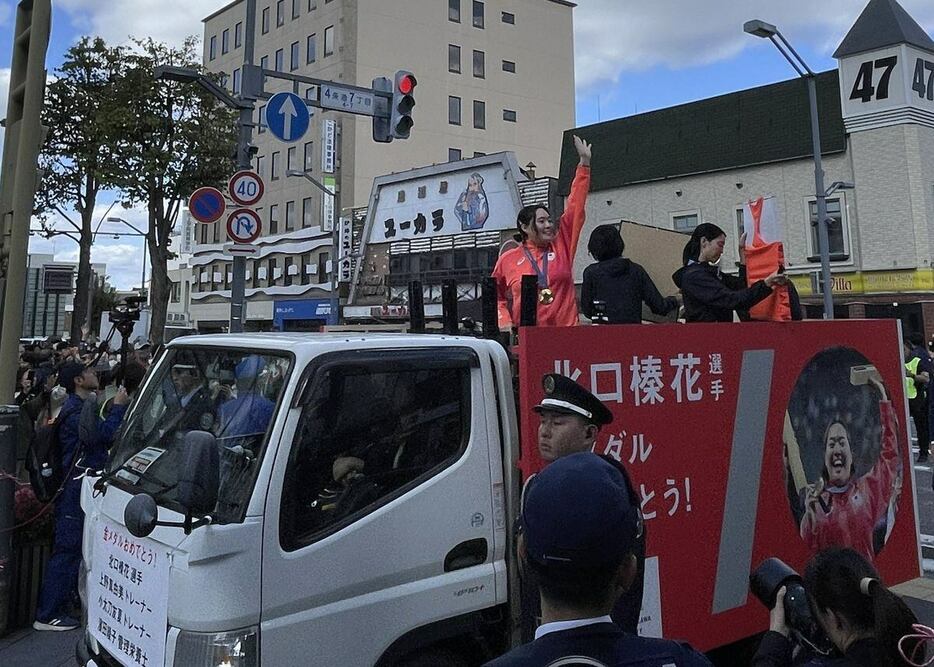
{"x":841,"y":509}
{"x":547,"y":251}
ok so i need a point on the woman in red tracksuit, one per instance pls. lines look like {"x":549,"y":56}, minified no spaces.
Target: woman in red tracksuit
{"x":842,"y":509}
{"x":547,"y":251}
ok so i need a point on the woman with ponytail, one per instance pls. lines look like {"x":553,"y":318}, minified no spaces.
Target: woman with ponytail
{"x":709,"y":294}
{"x":869,"y":625}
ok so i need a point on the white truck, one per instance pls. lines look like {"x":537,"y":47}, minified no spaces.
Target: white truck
{"x":349,"y":503}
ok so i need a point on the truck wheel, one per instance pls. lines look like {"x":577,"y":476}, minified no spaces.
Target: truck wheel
{"x":433,"y":657}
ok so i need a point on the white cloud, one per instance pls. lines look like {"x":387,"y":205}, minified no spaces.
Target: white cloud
{"x":615,"y":36}
{"x":164,"y":20}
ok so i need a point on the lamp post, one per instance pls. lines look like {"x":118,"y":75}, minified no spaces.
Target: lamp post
{"x":142,"y":280}
{"x":762,"y":29}
{"x":335,"y":236}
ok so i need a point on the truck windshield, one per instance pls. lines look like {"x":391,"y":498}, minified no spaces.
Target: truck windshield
{"x":232,"y":394}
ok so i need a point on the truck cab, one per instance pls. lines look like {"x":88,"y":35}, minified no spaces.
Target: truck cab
{"x":285,"y":499}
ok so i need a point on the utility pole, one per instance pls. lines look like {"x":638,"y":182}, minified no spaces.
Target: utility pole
{"x":244,"y":161}
{"x":18,"y":182}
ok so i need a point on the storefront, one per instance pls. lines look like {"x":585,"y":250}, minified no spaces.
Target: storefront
{"x":302,"y":315}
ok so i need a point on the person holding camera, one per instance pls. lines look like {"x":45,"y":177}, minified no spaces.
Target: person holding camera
{"x":868,"y":625}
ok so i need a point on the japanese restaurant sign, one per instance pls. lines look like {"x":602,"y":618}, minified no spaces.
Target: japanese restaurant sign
{"x":128,"y":586}
{"x":723,"y":429}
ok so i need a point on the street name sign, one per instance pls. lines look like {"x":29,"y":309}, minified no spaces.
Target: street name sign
{"x":207,"y":205}
{"x":287,"y":117}
{"x":244,"y":226}
{"x":246,"y":188}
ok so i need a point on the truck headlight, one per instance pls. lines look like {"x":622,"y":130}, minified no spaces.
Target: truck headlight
{"x":238,"y":648}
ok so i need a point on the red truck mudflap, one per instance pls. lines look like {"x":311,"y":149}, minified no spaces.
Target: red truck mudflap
{"x":722,"y":427}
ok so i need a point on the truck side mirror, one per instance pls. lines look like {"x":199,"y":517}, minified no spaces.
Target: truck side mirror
{"x":199,"y":474}
{"x":141,"y":515}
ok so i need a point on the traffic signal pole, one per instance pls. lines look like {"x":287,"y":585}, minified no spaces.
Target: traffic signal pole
{"x":244,"y":161}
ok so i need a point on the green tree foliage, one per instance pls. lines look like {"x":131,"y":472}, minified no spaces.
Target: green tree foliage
{"x":83,"y":109}
{"x":176,"y":138}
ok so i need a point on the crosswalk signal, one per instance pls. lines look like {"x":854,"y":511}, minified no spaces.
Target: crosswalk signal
{"x":403,"y":101}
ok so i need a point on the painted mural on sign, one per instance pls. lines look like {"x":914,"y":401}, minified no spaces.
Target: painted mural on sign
{"x":473,"y":208}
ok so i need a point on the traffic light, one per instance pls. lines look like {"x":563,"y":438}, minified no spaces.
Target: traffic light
{"x":403,"y":101}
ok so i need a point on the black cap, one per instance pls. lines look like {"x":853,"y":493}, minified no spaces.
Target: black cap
{"x":562,"y":394}
{"x":580,"y":512}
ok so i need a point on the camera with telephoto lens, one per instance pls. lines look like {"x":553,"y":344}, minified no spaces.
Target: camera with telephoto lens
{"x":767,"y":580}
{"x":125,"y":315}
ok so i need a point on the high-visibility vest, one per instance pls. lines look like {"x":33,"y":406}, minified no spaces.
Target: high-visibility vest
{"x":910,"y":390}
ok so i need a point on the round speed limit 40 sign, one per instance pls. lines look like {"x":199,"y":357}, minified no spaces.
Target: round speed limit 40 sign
{"x":244,"y":226}
{"x":246,"y":188}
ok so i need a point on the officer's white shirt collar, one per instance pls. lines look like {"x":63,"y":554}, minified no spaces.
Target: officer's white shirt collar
{"x":558,"y":626}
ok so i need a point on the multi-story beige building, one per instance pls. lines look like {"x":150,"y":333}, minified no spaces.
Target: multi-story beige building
{"x":496,"y":75}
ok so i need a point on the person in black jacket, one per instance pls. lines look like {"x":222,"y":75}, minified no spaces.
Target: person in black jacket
{"x":620,"y":283}
{"x":867,"y":623}
{"x":709,"y":294}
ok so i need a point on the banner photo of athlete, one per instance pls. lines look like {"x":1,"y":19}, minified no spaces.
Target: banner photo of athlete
{"x":744,"y":442}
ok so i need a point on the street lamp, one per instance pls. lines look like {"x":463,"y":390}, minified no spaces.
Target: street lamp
{"x":762,"y":29}
{"x":335,"y":236}
{"x":142,"y":283}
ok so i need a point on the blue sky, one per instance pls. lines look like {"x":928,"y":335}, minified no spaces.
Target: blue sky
{"x":631,"y":56}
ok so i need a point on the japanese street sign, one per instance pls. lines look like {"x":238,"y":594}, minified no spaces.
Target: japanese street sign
{"x":328,"y":145}
{"x":287,"y":116}
{"x":327,"y":205}
{"x":349,"y":98}
{"x":244,"y":226}
{"x":246,"y":188}
{"x":239,"y":250}
{"x":207,"y":205}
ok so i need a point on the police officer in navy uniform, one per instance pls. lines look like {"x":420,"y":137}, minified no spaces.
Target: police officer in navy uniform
{"x":570,"y":418}
{"x":578,"y":529}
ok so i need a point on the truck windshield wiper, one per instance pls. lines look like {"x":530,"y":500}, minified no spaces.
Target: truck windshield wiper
{"x":101,"y":484}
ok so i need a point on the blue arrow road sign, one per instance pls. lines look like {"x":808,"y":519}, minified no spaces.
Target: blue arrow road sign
{"x":287,"y":116}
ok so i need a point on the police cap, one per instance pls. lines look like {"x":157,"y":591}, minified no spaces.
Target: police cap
{"x":580,"y":513}
{"x":562,"y":394}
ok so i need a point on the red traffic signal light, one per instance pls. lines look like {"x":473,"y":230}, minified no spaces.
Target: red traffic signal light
{"x":407,"y":84}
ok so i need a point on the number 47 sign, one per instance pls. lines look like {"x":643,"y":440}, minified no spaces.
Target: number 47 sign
{"x":246,"y":188}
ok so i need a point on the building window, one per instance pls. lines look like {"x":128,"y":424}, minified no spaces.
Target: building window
{"x":293,"y":57}
{"x":310,"y":48}
{"x":265,"y":20}
{"x":306,"y":212}
{"x":454,"y":58}
{"x":509,"y":116}
{"x":454,"y":11}
{"x":478,"y":154}
{"x":479,"y":115}
{"x":479,"y":64}
{"x":287,"y":269}
{"x":296,"y":5}
{"x":685,"y":221}
{"x":280,"y":60}
{"x":271,"y":272}
{"x":837,"y":231}
{"x":312,"y":4}
{"x":309,"y":156}
{"x":329,"y":41}
{"x":212,"y":48}
{"x":260,"y":164}
{"x":262,"y":119}
{"x":477,"y":14}
{"x":225,"y":41}
{"x":280,"y":13}
{"x":509,"y":66}
{"x":289,"y":216}
{"x":236,"y":81}
{"x":454,"y":110}
{"x":454,"y":154}
{"x":264,"y":62}
{"x":323,"y":276}
{"x":274,"y":218}
{"x":509,"y":18}
{"x":290,"y":158}
{"x":274,"y":167}
{"x":238,"y":35}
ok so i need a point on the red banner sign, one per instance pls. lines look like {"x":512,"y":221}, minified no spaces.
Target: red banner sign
{"x":744,"y":441}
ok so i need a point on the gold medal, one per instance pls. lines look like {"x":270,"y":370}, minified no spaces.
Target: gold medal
{"x":546,"y":296}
